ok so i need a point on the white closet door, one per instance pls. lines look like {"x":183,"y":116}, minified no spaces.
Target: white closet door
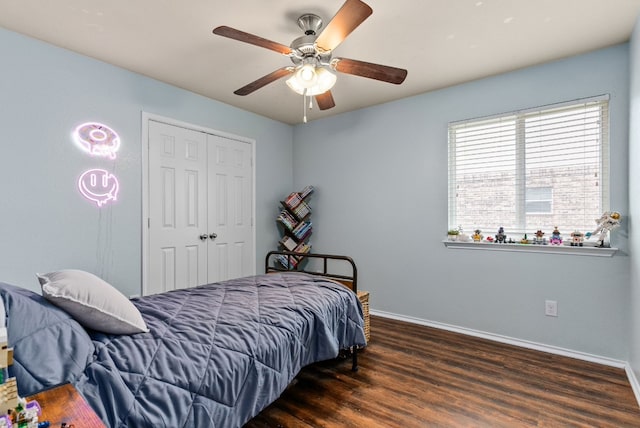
{"x":177,"y":208}
{"x":200,"y":199}
{"x":231,"y":247}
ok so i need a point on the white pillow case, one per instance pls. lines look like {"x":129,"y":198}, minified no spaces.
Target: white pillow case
{"x":92,"y":302}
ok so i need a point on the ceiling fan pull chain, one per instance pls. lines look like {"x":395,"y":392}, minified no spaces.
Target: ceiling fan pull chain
{"x":304,"y":106}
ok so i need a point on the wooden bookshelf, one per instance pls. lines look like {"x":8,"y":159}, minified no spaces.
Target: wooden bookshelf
{"x":296,"y":227}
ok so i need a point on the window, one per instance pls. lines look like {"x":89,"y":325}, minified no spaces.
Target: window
{"x":531,"y":170}
{"x":539,"y":200}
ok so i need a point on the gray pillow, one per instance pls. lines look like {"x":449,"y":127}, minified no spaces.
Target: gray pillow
{"x":92,"y":302}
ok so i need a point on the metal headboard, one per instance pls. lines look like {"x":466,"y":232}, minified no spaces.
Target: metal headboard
{"x":353,"y":278}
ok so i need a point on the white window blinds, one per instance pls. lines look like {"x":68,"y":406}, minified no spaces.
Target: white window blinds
{"x":531,"y":170}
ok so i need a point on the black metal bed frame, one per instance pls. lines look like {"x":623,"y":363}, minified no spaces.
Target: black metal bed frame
{"x":353,"y":278}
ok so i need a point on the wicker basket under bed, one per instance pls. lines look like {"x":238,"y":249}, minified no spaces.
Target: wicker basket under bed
{"x":363,"y":296}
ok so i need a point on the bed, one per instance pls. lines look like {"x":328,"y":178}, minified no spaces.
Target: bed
{"x":214,"y":355}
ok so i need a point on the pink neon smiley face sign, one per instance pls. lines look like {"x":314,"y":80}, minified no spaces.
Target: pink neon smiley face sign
{"x":97,"y":139}
{"x":99,"y":186}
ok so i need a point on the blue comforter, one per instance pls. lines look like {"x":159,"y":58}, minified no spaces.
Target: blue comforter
{"x":216,"y":355}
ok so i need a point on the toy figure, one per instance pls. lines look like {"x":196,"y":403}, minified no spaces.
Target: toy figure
{"x":477,"y":236}
{"x":20,"y":412}
{"x":539,"y":238}
{"x":556,"y":238}
{"x":501,"y":238}
{"x":607,"y":222}
{"x":524,"y":240}
{"x":577,"y":238}
{"x":8,"y":387}
{"x":462,"y":237}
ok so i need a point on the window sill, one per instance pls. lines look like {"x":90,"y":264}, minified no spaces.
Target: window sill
{"x":589,"y":250}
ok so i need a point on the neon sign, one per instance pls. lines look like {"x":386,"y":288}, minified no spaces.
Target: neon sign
{"x":97,"y":139}
{"x":99,"y":186}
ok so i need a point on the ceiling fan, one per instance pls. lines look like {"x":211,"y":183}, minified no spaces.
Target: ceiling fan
{"x":310,"y":74}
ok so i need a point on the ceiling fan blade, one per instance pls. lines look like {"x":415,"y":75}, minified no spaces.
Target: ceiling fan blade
{"x":325,"y":101}
{"x":232,"y":33}
{"x":264,"y":80}
{"x":351,"y":14}
{"x":367,"y":69}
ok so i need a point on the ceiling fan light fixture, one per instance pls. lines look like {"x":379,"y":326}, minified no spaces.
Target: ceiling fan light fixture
{"x":326,"y":80}
{"x":306,"y":76}
{"x":323,"y":81}
{"x":296,"y":87}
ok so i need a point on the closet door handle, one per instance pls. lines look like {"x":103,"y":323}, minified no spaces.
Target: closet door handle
{"x":203,"y":237}
{"x":213,"y":236}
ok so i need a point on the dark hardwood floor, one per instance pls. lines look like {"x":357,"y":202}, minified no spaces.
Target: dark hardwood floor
{"x":416,"y":376}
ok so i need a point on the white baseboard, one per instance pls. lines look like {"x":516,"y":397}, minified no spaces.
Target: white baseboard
{"x":511,"y":341}
{"x":633,"y":380}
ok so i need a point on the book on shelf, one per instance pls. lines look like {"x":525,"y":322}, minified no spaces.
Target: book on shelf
{"x":301,"y":229}
{"x":287,"y":219}
{"x":293,"y":200}
{"x":287,"y":261}
{"x":303,"y":247}
{"x":306,"y":235}
{"x":288,"y":243}
{"x":306,"y":191}
{"x":302,"y":210}
{"x":292,"y":261}
{"x":296,"y":198}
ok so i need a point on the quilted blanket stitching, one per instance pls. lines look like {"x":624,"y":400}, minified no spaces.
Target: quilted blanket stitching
{"x":209,"y":359}
{"x":60,"y":321}
{"x":257,"y":359}
{"x":157,"y":343}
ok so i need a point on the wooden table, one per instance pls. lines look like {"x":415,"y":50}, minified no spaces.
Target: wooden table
{"x":64,"y":404}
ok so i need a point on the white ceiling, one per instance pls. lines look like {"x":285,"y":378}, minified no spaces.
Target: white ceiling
{"x":440,"y":42}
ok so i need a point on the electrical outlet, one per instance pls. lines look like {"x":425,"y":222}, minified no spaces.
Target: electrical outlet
{"x":551,"y":308}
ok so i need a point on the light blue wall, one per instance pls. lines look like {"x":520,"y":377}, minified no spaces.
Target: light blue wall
{"x":380,"y":175}
{"x":44,"y":224}
{"x":634,"y":199}
{"x":381,"y":180}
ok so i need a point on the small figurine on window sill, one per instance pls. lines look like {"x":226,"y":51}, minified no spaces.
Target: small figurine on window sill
{"x":477,"y":236}
{"x":525,"y":240}
{"x":501,"y":238}
{"x":462,"y":237}
{"x":556,"y":238}
{"x":539,"y":238}
{"x":577,"y":238}
{"x":606,"y":223}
